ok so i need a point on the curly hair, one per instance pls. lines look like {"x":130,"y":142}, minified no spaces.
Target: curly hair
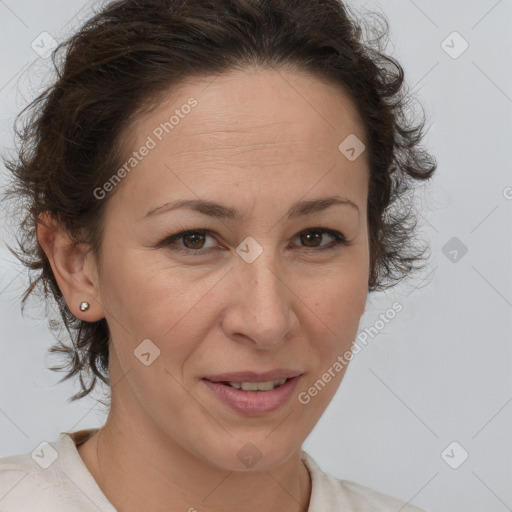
{"x":120,"y":62}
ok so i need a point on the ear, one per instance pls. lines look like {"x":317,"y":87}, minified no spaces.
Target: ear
{"x":74,"y":267}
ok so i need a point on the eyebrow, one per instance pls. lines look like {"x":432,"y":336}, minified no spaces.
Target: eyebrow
{"x":213,"y":209}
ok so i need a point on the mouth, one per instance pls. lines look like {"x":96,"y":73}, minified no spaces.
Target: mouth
{"x":252,"y":377}
{"x":256,"y":386}
{"x":251,"y":393}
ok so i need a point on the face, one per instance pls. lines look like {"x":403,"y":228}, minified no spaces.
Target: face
{"x":272,"y":279}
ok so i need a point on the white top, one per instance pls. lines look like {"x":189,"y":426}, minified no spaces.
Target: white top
{"x":54,"y":478}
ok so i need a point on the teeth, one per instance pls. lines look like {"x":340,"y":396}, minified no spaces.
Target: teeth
{"x":257,"y":386}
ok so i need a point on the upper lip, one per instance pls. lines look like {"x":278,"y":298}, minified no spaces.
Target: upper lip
{"x":253,"y":376}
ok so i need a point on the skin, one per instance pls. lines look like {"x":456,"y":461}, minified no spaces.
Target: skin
{"x":258,"y":141}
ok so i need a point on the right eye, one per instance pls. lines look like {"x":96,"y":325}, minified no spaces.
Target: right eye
{"x":191,"y":241}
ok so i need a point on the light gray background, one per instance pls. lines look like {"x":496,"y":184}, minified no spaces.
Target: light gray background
{"x":441,"y":370}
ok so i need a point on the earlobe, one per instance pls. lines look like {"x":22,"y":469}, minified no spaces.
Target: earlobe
{"x":76,"y":280}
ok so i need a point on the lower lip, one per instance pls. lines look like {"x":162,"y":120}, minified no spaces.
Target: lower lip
{"x":254,"y":402}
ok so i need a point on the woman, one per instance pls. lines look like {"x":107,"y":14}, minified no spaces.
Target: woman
{"x":212,"y":191}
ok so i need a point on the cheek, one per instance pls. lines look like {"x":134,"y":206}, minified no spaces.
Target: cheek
{"x":168,"y":305}
{"x":138,"y":290}
{"x":336,"y":308}
{"x":341,"y":295}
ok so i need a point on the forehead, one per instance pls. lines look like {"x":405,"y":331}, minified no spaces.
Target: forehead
{"x":238,"y":105}
{"x":248,"y":124}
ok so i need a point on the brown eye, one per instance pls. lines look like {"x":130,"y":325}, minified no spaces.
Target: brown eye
{"x":194,"y":240}
{"x":186,"y":241}
{"x":312,"y":239}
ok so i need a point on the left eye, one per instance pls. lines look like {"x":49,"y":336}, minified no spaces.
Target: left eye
{"x":314,"y":235}
{"x":194,"y":240}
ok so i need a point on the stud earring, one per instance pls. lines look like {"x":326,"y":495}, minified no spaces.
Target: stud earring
{"x":84,"y":306}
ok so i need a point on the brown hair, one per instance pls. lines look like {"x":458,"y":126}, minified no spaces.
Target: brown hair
{"x":124,"y":57}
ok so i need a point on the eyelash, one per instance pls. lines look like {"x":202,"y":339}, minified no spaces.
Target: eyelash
{"x":339,"y":240}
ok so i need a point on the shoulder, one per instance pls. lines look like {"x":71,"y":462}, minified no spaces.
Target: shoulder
{"x":24,"y":485}
{"x":365,"y":498}
{"x":330,"y":494}
{"x":51,"y":478}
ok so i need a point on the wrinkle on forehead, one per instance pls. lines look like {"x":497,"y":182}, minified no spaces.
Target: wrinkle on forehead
{"x":251,"y":121}
{"x":248,"y":102}
{"x":260,"y":141}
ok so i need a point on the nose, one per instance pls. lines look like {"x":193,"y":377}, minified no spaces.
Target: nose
{"x":260,"y":311}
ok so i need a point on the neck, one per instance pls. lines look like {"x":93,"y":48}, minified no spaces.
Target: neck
{"x":141,"y":468}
